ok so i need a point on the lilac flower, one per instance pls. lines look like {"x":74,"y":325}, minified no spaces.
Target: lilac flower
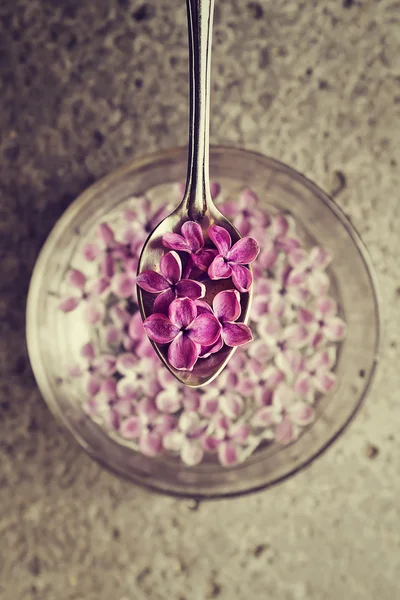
{"x":168,"y":284}
{"x":184,"y":331}
{"x":323,"y":321}
{"x":316,"y":374}
{"x":281,"y":295}
{"x":227,"y":309}
{"x":221,"y":396}
{"x":231,"y":260}
{"x":95,"y":369}
{"x":138,"y":340}
{"x":148,"y":426}
{"x":142,"y":217}
{"x":245,"y":214}
{"x":186,"y":439}
{"x":227,"y":438}
{"x":284,"y":343}
{"x":138,"y":376}
{"x":294,"y":413}
{"x":86,"y":293}
{"x":191,"y":241}
{"x":266,"y":383}
{"x":117,"y":332}
{"x":279,"y":237}
{"x":310,"y":267}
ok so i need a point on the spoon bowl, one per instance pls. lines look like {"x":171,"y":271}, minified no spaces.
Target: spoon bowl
{"x":205,"y":369}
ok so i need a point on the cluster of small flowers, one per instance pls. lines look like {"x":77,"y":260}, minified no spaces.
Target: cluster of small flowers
{"x":182,"y":320}
{"x":268,"y":390}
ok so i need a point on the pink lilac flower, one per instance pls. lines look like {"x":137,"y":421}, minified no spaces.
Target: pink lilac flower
{"x":227,"y":309}
{"x":244,"y":212}
{"x":87,"y":294}
{"x":148,"y":426}
{"x":323,"y":321}
{"x":231,"y":260}
{"x":295,"y":413}
{"x":288,"y":290}
{"x":284,"y":343}
{"x":139,"y":342}
{"x":310,"y":267}
{"x":142,"y":217}
{"x":168,"y":284}
{"x":316,"y":374}
{"x":227,"y":438}
{"x":279,"y":238}
{"x":94,"y":368}
{"x":184,"y":330}
{"x":117,"y":332}
{"x":186,"y":439}
{"x":221,"y":396}
{"x":138,"y":376}
{"x":191,"y":241}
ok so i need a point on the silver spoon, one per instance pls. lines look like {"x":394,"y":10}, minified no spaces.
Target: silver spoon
{"x":197,"y":204}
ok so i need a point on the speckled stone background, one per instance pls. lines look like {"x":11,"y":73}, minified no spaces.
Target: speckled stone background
{"x":85,"y":86}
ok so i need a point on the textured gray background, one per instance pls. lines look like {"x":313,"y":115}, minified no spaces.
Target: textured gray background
{"x":86,"y":85}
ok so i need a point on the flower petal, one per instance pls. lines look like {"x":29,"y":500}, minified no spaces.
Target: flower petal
{"x":163,"y":301}
{"x":182,"y":312}
{"x":221,"y":238}
{"x":241,"y":277}
{"x":160,"y":329}
{"x":219,"y":269}
{"x":182,"y":353}
{"x":206,"y":351}
{"x":93,"y":312}
{"x":286,"y":432}
{"x":335,"y":329}
{"x":173,"y":441}
{"x":301,"y":413}
{"x":90,"y":251}
{"x":152,"y":282}
{"x":77,"y":279}
{"x":171,"y":267}
{"x":306,"y":316}
{"x":123,"y":285}
{"x":188,"y":288}
{"x":99,"y":285}
{"x":193,"y":235}
{"x":192,"y":452}
{"x":203,"y":258}
{"x":106,"y":234}
{"x":227,"y":454}
{"x":208,"y":405}
{"x":226,"y":305}
{"x":326,"y":306}
{"x":289,"y":361}
{"x":245,"y":251}
{"x":168,"y":401}
{"x":302,"y":386}
{"x":319,"y":257}
{"x":107,"y":266}
{"x":175,"y":242}
{"x":104,"y":365}
{"x":296,"y":336}
{"x":265,"y":417}
{"x":203,"y":307}
{"x":318,"y":282}
{"x":231,"y":405}
{"x":324,"y":381}
{"x":280,"y":225}
{"x":130,"y":428}
{"x":126,"y":363}
{"x":215,"y":189}
{"x":248,"y":199}
{"x":240,"y":433}
{"x":236,"y":334}
{"x":205,"y":330}
{"x":150,"y":443}
{"x":69,"y":304}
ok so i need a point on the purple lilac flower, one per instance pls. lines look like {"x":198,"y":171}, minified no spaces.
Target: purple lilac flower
{"x":184,"y":330}
{"x":96,"y":369}
{"x":244,"y":212}
{"x":88,"y":294}
{"x":227,"y":438}
{"x":310,"y":267}
{"x":323,"y":321}
{"x":149,"y":426}
{"x":187,"y":438}
{"x":227,"y":309}
{"x":191,"y":241}
{"x":316,"y":374}
{"x":231,"y":260}
{"x":168,"y":284}
{"x":285,"y":343}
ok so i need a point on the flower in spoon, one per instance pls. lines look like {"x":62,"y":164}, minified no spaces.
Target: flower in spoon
{"x":193,"y":322}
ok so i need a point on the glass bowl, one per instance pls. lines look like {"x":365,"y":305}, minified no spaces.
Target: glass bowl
{"x":51,"y":342}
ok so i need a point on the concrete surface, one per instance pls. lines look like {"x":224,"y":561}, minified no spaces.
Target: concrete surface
{"x":84,"y":87}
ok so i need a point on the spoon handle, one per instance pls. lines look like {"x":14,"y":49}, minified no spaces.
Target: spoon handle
{"x":200,"y":20}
